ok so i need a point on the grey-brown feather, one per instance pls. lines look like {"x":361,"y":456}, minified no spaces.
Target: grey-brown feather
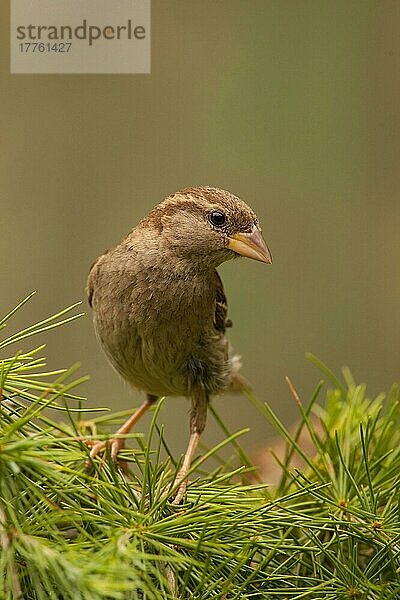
{"x":221,"y":321}
{"x":159,"y":307}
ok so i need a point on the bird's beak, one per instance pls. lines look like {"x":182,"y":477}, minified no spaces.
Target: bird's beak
{"x":251,"y":245}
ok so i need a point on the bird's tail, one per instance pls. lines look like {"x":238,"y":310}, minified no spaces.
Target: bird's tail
{"x":237,"y":382}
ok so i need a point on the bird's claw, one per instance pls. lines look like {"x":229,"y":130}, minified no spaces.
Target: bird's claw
{"x":180,"y":479}
{"x":180,"y":492}
{"x":115,"y":445}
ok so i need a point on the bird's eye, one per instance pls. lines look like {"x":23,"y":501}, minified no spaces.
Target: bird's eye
{"x":217,"y":218}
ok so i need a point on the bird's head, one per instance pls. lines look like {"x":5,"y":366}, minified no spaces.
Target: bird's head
{"x":209,"y":226}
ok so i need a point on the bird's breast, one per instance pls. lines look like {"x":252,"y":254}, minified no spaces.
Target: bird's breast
{"x":157,"y":328}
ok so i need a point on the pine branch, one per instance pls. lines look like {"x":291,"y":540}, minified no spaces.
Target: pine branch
{"x":328,"y":531}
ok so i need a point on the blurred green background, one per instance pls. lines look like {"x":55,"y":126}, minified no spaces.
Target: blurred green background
{"x":293,"y":106}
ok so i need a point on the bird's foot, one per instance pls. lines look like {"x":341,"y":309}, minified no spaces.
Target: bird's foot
{"x":115,"y":445}
{"x":180,"y":492}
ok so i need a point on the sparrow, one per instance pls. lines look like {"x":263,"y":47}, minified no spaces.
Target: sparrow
{"x":159,"y":307}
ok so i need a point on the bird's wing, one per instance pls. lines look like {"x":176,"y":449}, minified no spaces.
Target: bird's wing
{"x":93,"y":274}
{"x":221,"y":307}
{"x":89,"y":286}
{"x":91,"y":280}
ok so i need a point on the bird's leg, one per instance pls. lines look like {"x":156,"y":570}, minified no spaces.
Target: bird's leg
{"x":116,"y":444}
{"x":198,"y":417}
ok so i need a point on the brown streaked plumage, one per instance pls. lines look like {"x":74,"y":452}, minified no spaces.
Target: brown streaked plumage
{"x":159,"y":307}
